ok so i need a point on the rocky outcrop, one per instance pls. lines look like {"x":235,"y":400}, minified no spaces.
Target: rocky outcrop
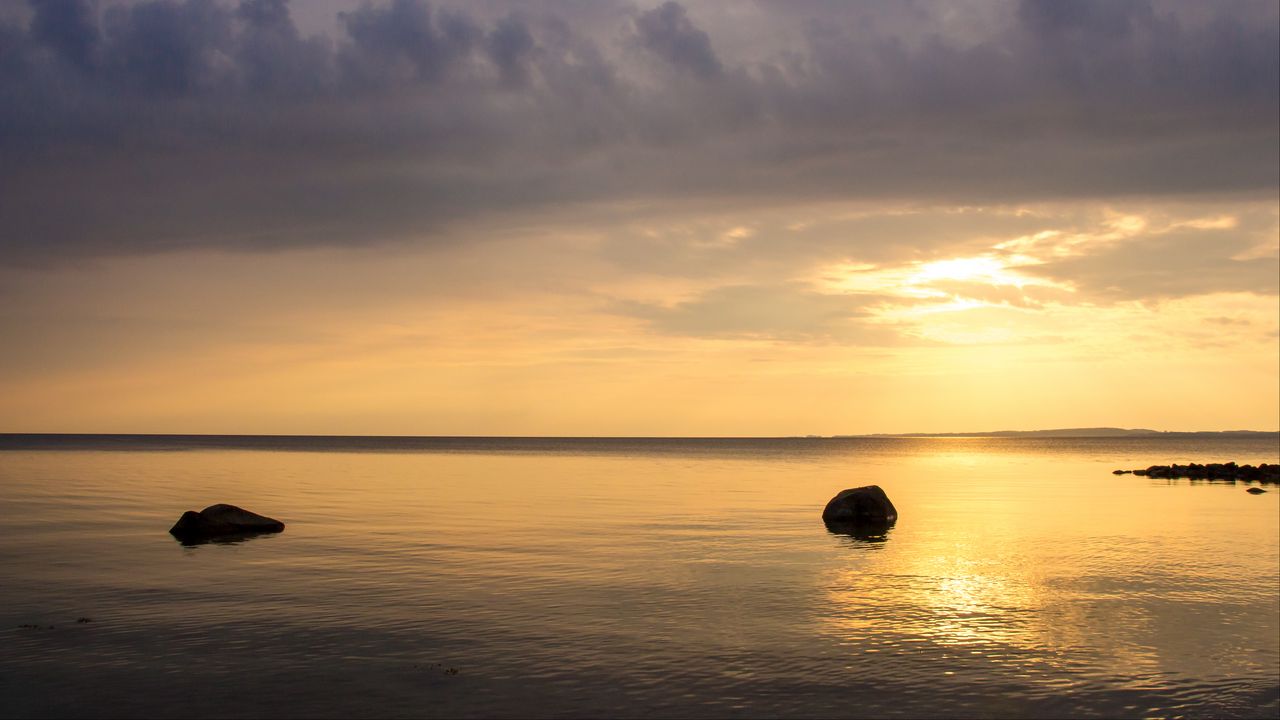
{"x":1230,"y":472}
{"x":222,"y":521}
{"x":867,"y":505}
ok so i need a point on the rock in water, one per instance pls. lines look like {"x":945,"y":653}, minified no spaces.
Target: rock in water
{"x":861,"y":505}
{"x":1255,"y":491}
{"x":220,"y":520}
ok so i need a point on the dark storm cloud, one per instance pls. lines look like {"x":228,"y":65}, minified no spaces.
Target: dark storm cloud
{"x":509,"y":46}
{"x":405,"y":35}
{"x":667,"y":32}
{"x":157,"y":124}
{"x":67,"y":26}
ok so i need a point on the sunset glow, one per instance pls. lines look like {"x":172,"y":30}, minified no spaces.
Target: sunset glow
{"x":986,"y":270}
{"x":640,"y":358}
{"x":645,"y":221}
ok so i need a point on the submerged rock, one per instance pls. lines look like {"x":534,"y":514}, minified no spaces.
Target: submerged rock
{"x":867,"y":505}
{"x":222,"y":520}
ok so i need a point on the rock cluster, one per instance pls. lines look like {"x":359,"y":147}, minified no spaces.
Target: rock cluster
{"x":1230,"y":471}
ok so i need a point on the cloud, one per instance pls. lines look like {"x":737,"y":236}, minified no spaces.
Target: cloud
{"x":1107,"y":19}
{"x":1228,"y":321}
{"x":510,"y":46}
{"x":782,"y":311}
{"x":1173,"y":264}
{"x":793,"y":241}
{"x":161,"y":124}
{"x":1029,"y":296}
{"x":667,"y":32}
{"x":406,"y":35}
{"x":68,"y":27}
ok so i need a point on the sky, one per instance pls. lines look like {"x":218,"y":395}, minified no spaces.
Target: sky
{"x":583,"y":217}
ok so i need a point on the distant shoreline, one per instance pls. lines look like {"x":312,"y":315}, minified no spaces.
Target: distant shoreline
{"x":11,"y":440}
{"x":1082,"y":433}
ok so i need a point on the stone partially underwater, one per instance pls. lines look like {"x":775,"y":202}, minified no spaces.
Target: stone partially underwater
{"x":861,"y":512}
{"x":222,"y":521}
{"x":1228,"y":472}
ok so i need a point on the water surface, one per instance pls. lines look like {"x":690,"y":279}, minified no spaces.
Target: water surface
{"x":636,"y":578}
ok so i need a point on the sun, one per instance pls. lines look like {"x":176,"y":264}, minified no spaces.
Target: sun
{"x":940,"y":287}
{"x":981,"y":269}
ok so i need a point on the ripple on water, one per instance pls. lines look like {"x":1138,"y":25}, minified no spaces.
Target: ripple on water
{"x":631,"y":585}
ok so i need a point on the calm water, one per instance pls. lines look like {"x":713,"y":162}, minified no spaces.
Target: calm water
{"x":565,"y":578}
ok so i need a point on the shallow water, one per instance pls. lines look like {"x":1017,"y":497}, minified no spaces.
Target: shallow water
{"x":572,"y":578}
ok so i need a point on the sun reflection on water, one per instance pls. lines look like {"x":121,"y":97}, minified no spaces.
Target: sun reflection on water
{"x":949,"y":601}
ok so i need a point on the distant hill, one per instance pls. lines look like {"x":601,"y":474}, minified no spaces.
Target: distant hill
{"x":1080,"y":433}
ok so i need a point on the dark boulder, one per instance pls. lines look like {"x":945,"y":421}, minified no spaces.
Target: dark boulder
{"x":867,"y":505}
{"x":220,"y":521}
{"x":1255,"y":491}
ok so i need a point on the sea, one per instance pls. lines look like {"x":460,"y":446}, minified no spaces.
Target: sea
{"x":636,"y":578}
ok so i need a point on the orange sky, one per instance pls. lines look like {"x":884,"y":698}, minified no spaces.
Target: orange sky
{"x":544,"y":333}
{"x":608,"y":219}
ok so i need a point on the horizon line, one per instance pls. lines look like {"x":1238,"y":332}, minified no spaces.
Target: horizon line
{"x":794,"y":436}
